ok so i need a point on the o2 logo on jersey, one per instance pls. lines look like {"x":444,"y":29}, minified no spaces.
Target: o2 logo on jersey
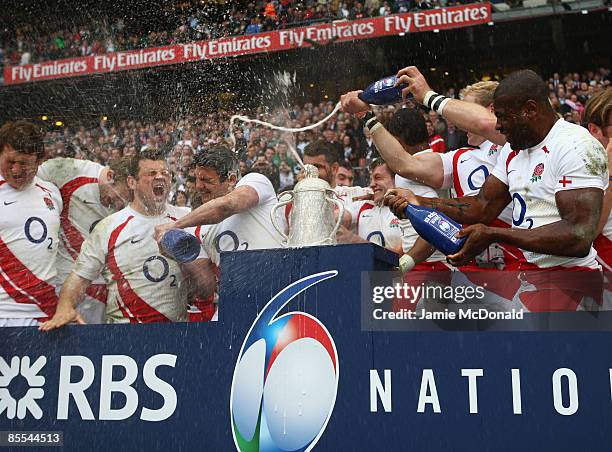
{"x":226,"y":237}
{"x":286,"y":377}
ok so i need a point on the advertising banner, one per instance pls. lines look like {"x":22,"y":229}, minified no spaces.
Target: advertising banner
{"x":289,"y":366}
{"x":274,"y":41}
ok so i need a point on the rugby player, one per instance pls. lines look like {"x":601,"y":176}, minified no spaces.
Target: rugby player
{"x":144,"y":286}
{"x":235,"y":214}
{"x":29,"y":228}
{"x":555,"y":173}
{"x":90,"y":192}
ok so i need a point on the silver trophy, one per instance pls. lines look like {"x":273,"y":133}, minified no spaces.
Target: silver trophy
{"x":311,"y":221}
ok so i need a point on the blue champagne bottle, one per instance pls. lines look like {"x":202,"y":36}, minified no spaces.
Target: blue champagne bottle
{"x":383,"y":92}
{"x":181,"y":246}
{"x":435,"y":227}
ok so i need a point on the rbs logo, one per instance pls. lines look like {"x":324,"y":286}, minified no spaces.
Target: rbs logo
{"x":74,"y":382}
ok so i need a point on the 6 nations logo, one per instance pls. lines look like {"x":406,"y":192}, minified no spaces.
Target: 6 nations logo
{"x":286,"y":377}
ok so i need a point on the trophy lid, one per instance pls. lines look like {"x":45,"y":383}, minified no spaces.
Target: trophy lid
{"x":311,"y":171}
{"x":311,"y":179}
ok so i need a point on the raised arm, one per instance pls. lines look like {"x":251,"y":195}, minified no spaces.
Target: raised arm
{"x":72,"y":292}
{"x":468,"y":116}
{"x":426,"y":168}
{"x":217,"y":210}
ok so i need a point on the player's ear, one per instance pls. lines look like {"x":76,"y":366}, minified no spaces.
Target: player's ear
{"x":131,"y":182}
{"x":334,"y":167}
{"x":594,"y":129}
{"x":110,"y":175}
{"x":232,"y":179}
{"x":530,"y":109}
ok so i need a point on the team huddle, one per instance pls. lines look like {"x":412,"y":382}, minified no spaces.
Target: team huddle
{"x":79,"y":241}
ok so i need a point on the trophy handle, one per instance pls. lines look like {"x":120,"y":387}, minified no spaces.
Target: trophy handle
{"x":341,"y":209}
{"x":278,"y":206}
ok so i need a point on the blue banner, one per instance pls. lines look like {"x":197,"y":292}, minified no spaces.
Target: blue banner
{"x":288,"y":367}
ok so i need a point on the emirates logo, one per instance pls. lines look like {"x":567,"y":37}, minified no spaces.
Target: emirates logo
{"x":27,"y":403}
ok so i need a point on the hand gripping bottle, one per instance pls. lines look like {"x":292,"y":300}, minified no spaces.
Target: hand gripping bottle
{"x":436,"y":228}
{"x":180,"y":245}
{"x":383,"y":92}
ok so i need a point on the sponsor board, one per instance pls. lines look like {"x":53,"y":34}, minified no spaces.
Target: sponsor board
{"x":274,"y":41}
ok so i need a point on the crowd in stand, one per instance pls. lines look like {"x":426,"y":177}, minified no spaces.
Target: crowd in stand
{"x":270,"y":151}
{"x":29,"y":44}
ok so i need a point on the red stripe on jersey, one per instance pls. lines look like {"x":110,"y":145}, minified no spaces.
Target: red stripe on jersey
{"x":560,"y":288}
{"x":197,"y":233}
{"x":363,"y":208}
{"x":202,"y":310}
{"x":510,"y":157}
{"x":26,"y":281}
{"x":71,"y":233}
{"x":98,"y":291}
{"x":142,"y":311}
{"x":171,"y":217}
{"x":45,"y":189}
{"x":15,"y":294}
{"x":603,"y":246}
{"x":2,"y":182}
{"x":456,"y":181}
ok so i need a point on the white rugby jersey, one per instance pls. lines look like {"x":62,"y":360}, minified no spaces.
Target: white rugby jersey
{"x":77,"y":181}
{"x":143,"y":285}
{"x":377,"y":224}
{"x":568,"y":158}
{"x":466,"y":169}
{"x":409,"y":235}
{"x":250,"y":230}
{"x":29,"y":236}
{"x":346,"y":194}
{"x":603,"y":245}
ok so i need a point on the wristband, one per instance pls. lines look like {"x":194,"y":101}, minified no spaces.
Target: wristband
{"x":370,"y":122}
{"x":440,"y":109}
{"x":367,"y":117}
{"x":406,"y":263}
{"x":428,"y":97}
{"x":437,"y":101}
{"x":375,"y":127}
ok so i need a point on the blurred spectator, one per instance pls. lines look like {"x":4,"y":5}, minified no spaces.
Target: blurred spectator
{"x":436,"y":142}
{"x":368,"y":149}
{"x":286,"y":177}
{"x":456,"y":138}
{"x":344,"y":176}
{"x":181,"y":199}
